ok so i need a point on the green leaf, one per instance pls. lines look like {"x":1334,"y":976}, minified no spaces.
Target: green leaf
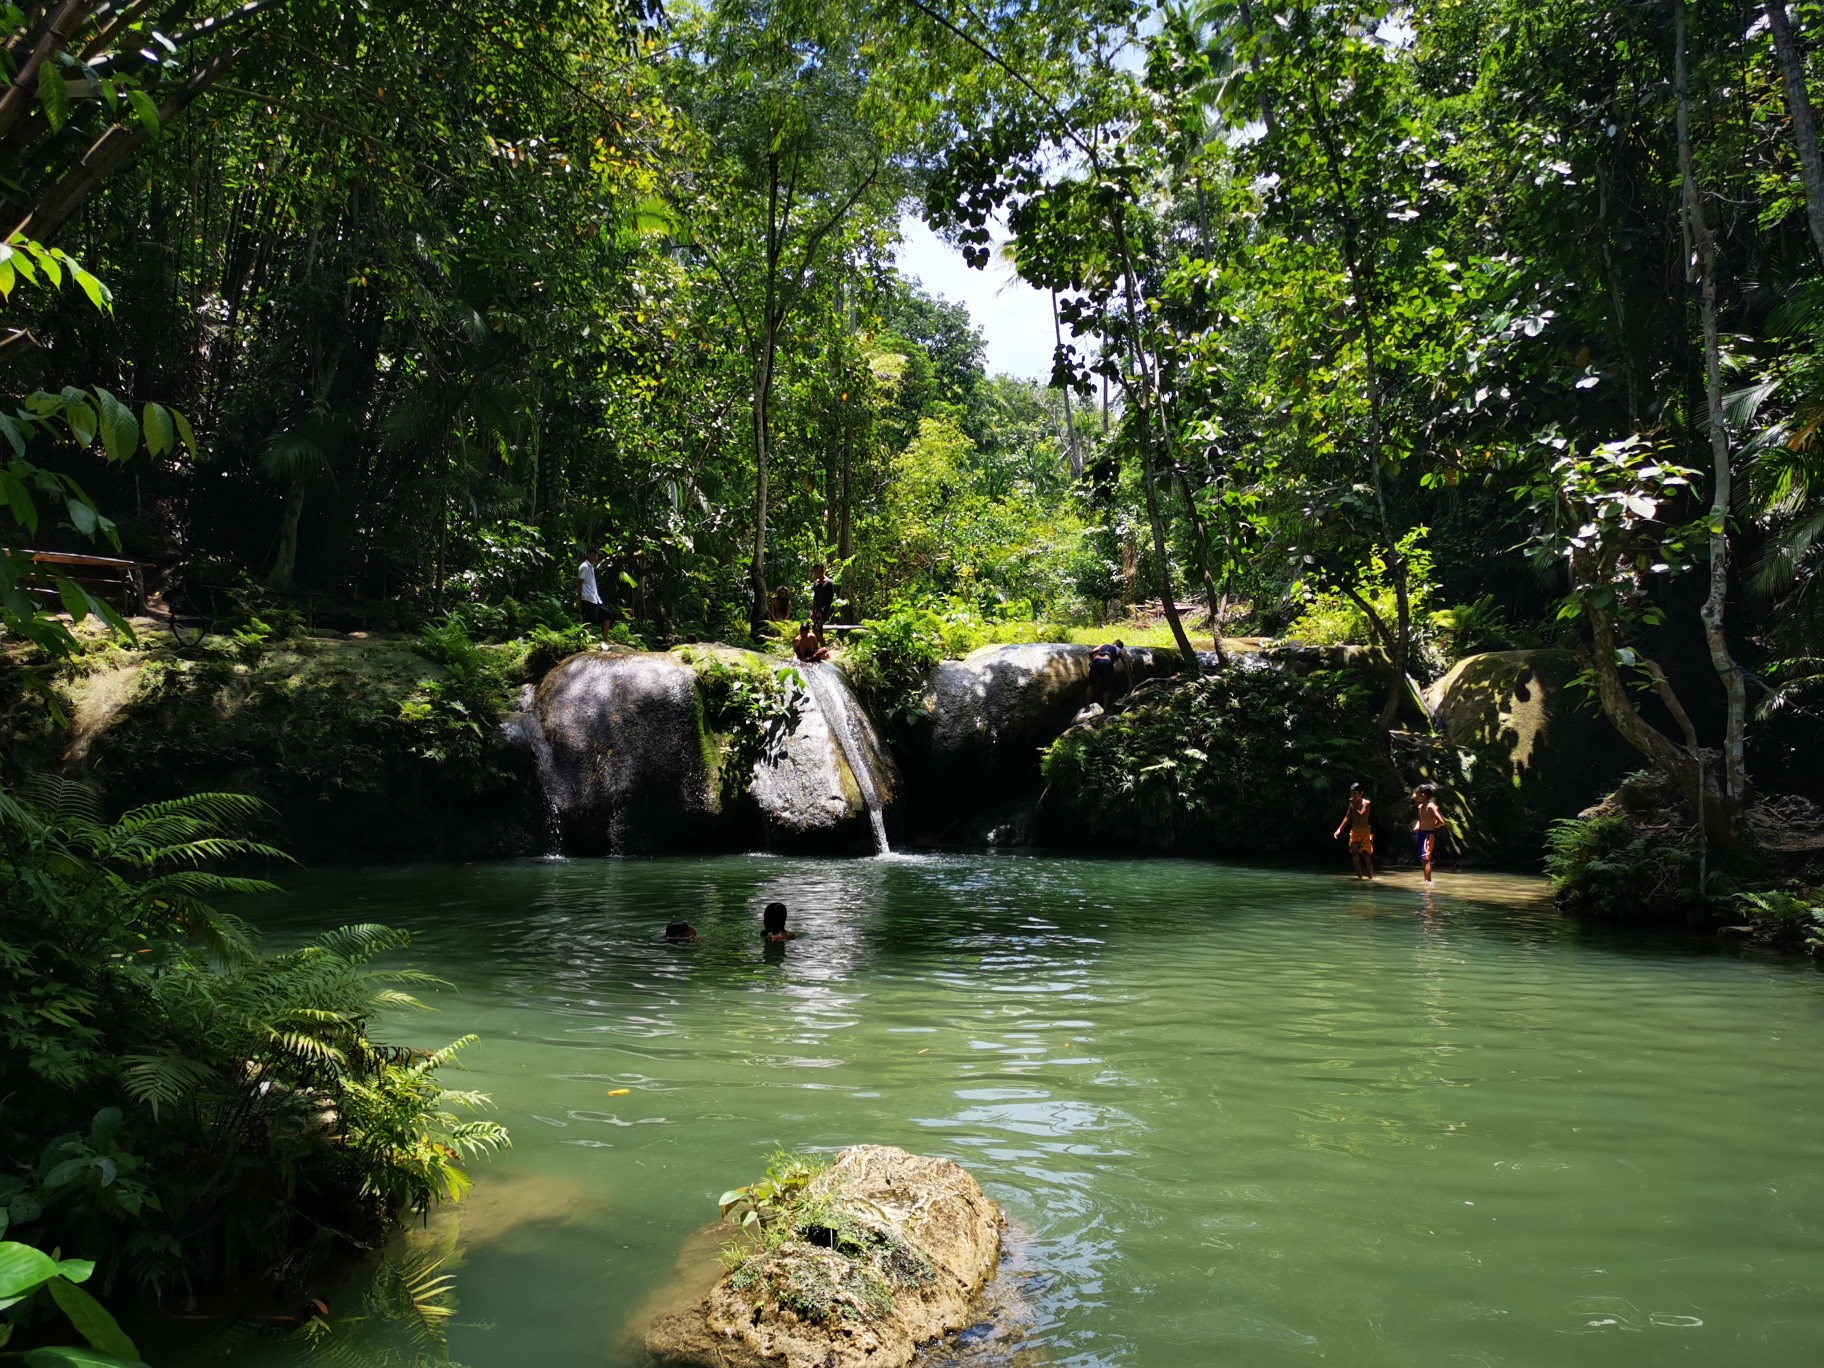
{"x":76,"y":603}
{"x":14,"y":434}
{"x":23,"y":1270}
{"x":147,"y":113}
{"x":82,"y":516}
{"x":54,"y":96}
{"x":119,"y":429}
{"x":184,"y":433}
{"x":77,"y":1358}
{"x":93,"y":288}
{"x":81,"y":417}
{"x":161,"y":433}
{"x":90,"y":1317}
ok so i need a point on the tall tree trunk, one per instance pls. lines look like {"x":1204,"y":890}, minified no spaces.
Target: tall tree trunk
{"x":1804,"y":124}
{"x":763,"y":378}
{"x":1363,"y":288}
{"x":1202,"y":542}
{"x":1703,"y":258}
{"x":285,"y":559}
{"x":1070,"y":426}
{"x":1146,"y":410}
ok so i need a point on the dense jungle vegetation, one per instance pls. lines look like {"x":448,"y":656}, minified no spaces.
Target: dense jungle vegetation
{"x":1476,"y":325}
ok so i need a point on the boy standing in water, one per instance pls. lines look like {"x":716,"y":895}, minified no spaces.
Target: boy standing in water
{"x":1361,"y":835}
{"x":1426,"y":827}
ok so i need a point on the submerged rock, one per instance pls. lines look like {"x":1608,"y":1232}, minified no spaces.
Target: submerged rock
{"x":886,"y":1252}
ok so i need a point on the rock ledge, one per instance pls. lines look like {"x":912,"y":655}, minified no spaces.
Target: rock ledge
{"x":886,"y":1251}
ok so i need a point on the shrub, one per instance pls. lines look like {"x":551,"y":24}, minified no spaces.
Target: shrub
{"x":891,"y":661}
{"x":748,"y":708}
{"x":1618,"y":864}
{"x":1249,"y":762}
{"x":198,"y":1108}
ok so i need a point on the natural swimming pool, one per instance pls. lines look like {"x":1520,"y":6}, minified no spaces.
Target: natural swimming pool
{"x":1262,"y":1117}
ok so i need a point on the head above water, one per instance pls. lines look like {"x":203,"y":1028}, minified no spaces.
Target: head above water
{"x":772,"y":920}
{"x":680,"y":931}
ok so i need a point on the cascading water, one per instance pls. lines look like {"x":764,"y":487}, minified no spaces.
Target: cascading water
{"x":524,"y":728}
{"x":831,"y":691}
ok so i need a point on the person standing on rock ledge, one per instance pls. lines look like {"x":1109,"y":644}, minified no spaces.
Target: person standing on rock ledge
{"x":589,"y":594}
{"x":823,"y":597}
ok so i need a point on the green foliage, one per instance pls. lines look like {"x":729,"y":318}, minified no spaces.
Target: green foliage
{"x":25,"y":1273}
{"x":749,"y":706}
{"x":1793,"y":915}
{"x":1255,"y":763}
{"x":891,"y":661}
{"x":770,"y":1201}
{"x":1610,"y":867}
{"x":338,"y":737}
{"x":198,"y":1108}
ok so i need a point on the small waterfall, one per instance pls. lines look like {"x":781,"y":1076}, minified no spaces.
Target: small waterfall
{"x":832,"y":697}
{"x":524,"y":728}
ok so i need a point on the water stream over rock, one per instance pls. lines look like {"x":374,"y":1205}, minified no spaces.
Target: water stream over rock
{"x":831,"y":690}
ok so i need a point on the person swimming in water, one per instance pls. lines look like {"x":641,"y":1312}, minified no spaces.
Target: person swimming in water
{"x":772,"y":925}
{"x":680,"y":933}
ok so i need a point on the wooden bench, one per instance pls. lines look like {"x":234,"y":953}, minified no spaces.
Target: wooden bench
{"x":100,"y":575}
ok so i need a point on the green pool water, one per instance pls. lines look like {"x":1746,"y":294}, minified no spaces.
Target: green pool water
{"x":1241,"y":1116}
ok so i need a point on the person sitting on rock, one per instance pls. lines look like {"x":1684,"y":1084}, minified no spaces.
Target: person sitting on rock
{"x":680,"y":933}
{"x":808,"y":646}
{"x":772,"y":925}
{"x":1102,"y":664}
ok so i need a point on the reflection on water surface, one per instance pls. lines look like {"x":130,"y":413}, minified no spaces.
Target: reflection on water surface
{"x":1259,"y":1117}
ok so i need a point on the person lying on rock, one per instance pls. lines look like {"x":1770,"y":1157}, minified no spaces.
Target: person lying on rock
{"x":680,"y":933}
{"x":808,"y":646}
{"x":772,"y":925}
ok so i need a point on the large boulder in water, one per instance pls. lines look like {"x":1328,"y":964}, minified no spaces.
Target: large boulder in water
{"x":1538,"y":748}
{"x":893,"y":1257}
{"x":821,"y":765}
{"x":630,"y":762}
{"x":628,"y":768}
{"x":992,"y":713}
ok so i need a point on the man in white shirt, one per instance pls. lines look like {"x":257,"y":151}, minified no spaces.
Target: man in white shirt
{"x":588,"y":596}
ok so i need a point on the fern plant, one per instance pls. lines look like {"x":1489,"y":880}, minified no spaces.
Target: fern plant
{"x":199,"y":1106}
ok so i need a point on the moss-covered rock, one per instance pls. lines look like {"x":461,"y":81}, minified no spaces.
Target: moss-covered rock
{"x":881,"y":1253}
{"x":364,"y":749}
{"x":1251,"y":762}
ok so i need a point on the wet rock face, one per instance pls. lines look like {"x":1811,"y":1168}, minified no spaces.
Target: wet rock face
{"x":627,"y":763}
{"x":627,"y":769}
{"x":897,"y":1254}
